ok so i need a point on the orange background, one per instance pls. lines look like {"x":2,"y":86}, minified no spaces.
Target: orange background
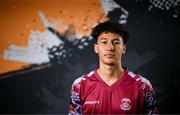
{"x":19,"y":17}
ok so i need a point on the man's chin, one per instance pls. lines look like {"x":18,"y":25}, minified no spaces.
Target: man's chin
{"x":110,"y":63}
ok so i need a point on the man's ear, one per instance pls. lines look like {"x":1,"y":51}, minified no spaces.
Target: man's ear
{"x":124,"y":49}
{"x":95,"y":48}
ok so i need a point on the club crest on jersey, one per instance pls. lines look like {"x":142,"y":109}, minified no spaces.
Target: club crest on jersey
{"x":125,"y":104}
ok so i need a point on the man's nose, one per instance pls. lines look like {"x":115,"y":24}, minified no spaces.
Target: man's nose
{"x":110,"y":46}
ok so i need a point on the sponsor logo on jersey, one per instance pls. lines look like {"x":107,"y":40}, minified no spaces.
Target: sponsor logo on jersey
{"x":125,"y":104}
{"x":92,"y":102}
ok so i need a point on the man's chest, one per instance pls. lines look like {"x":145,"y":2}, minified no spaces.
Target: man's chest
{"x":111,"y":100}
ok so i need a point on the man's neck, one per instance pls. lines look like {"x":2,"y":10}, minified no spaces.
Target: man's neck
{"x":110,"y":73}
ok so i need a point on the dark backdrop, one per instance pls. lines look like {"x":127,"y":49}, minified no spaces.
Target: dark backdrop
{"x":152,"y":52}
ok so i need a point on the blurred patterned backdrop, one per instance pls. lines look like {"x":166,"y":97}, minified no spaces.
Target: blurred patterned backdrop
{"x":46,"y":44}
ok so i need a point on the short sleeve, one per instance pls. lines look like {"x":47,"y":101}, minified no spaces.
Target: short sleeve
{"x":74,"y":101}
{"x":150,"y":98}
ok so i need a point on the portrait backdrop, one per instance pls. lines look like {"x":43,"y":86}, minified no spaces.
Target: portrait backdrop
{"x":46,"y":44}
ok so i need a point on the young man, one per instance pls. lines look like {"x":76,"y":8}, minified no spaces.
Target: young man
{"x":111,"y":89}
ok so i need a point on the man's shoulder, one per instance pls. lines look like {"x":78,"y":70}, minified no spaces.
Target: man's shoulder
{"x":139,"y":78}
{"x":84,"y":77}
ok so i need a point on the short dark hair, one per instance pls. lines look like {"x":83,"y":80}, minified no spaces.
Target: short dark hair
{"x":112,"y":27}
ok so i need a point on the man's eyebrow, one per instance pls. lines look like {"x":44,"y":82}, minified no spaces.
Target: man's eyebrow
{"x":116,"y":39}
{"x":103,"y":38}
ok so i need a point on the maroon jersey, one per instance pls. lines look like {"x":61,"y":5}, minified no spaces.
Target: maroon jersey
{"x":130,"y":94}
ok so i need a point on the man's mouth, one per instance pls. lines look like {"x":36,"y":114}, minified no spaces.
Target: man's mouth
{"x":110,"y":55}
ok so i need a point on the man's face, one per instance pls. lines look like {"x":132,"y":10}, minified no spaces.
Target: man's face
{"x":109,"y":48}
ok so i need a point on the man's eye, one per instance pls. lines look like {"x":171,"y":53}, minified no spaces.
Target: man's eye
{"x":116,"y":42}
{"x":104,"y":42}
